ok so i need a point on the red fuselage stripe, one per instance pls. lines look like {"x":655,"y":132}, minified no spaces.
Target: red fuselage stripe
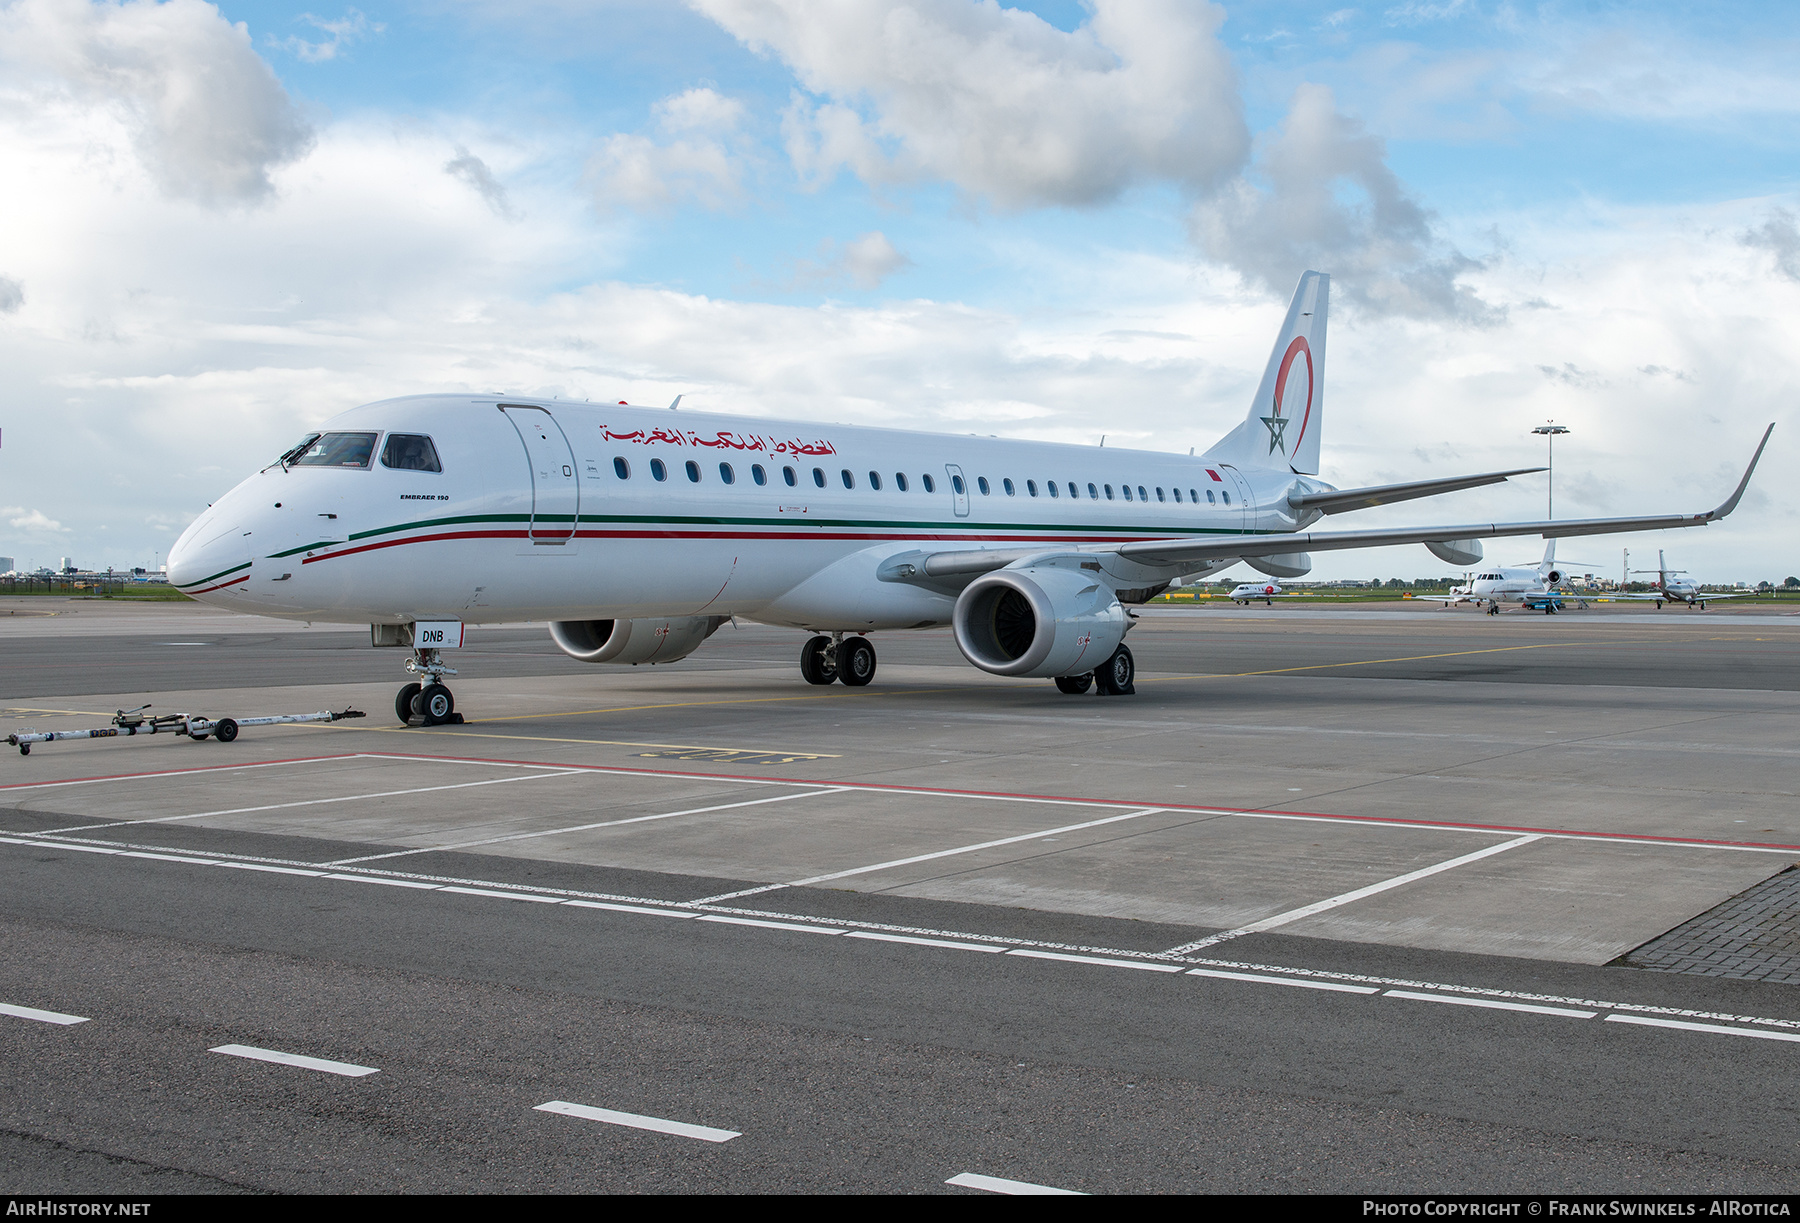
{"x":800,"y":535}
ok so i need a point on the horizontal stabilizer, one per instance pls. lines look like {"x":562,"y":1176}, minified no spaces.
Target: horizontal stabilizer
{"x":1338,"y":501}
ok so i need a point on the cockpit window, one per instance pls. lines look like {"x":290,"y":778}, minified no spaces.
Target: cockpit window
{"x":408,"y":452}
{"x":338,"y":450}
{"x":288,"y":456}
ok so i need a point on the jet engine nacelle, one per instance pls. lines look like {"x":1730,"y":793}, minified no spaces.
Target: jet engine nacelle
{"x":1282,"y":564}
{"x":659,"y":639}
{"x":1554,"y":577}
{"x":1462,"y":553}
{"x":1039,"y":622}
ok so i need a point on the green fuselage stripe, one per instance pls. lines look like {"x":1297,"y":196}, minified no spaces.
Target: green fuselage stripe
{"x":960,"y":524}
{"x":215,"y":577}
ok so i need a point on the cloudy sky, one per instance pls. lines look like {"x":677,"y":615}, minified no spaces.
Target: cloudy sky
{"x":223,"y":224}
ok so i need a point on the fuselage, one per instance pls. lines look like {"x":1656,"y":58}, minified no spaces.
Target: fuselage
{"x":1508,"y":585}
{"x":555,"y":510}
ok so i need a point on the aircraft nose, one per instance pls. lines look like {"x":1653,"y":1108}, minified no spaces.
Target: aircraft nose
{"x":208,"y":557}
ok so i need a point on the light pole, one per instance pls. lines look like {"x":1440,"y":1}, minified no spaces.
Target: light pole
{"x":1550,"y":429}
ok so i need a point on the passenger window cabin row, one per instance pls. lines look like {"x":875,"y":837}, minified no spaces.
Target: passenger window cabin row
{"x":659,"y":471}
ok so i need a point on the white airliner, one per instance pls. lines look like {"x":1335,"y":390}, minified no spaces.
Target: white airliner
{"x":1670,"y":589}
{"x":637,"y":531}
{"x":1246,"y":591}
{"x":1533,"y":587}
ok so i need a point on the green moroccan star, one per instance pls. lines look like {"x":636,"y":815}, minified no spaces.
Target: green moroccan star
{"x":1277,"y":426}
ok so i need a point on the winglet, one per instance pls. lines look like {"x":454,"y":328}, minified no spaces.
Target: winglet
{"x":1730,"y":503}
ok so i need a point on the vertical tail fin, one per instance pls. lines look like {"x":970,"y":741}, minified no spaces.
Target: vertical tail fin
{"x":1283,"y":426}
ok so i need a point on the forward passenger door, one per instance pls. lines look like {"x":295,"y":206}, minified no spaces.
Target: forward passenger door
{"x":555,"y":488}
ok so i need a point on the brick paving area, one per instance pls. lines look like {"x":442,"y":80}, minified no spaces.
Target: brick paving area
{"x":1754,"y":936}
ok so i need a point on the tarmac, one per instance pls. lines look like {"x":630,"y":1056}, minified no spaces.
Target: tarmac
{"x":945,"y":924}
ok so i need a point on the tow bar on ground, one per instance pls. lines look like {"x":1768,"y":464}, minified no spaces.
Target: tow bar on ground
{"x":127,"y":722}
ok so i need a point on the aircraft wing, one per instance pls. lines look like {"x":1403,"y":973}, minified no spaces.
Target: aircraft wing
{"x":1340,"y":500}
{"x":1175,"y":554}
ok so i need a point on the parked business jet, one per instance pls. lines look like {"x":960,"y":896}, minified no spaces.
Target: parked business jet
{"x":1245,"y":592}
{"x":1672,"y":589}
{"x":1531,"y":587}
{"x":637,"y":532}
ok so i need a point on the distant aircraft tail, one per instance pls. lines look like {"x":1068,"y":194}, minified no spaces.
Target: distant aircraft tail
{"x":1283,"y":427}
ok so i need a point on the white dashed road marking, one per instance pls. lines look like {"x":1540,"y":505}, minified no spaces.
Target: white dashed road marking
{"x":31,"y":1012}
{"x":1715,"y":1028}
{"x":1257,"y":978}
{"x":999,"y":1184}
{"x":1099,"y":961}
{"x":1495,"y":1004}
{"x":347,"y":1069}
{"x":705,"y":1133}
{"x":922,"y":942}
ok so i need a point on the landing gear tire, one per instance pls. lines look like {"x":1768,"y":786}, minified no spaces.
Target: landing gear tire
{"x":225,"y":730}
{"x":1114,"y":676}
{"x":403,"y":703}
{"x":856,"y":661}
{"x":1075,"y":685}
{"x":434,"y":705}
{"x":815,"y":667}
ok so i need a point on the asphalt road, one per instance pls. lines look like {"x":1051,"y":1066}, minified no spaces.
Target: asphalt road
{"x":844,"y":1066}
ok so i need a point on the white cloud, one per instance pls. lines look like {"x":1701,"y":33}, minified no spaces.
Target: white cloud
{"x":344,"y":32}
{"x":702,"y":156}
{"x":21,"y":519}
{"x":863,"y":262}
{"x":999,"y":102}
{"x":207,"y":118}
{"x":12,"y":295}
{"x":1328,"y":200}
{"x":699,"y":110}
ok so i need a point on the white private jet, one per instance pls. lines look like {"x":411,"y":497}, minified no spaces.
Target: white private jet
{"x":1245,"y":592}
{"x":1671,"y":589}
{"x":637,"y":532}
{"x":1532,"y":587}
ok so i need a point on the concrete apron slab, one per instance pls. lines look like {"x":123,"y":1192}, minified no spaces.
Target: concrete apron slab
{"x":1582,"y":902}
{"x":1337,"y":750}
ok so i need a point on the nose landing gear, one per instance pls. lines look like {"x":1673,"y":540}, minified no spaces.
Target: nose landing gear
{"x":429,"y":703}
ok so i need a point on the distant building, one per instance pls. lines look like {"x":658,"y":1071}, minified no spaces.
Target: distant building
{"x":65,"y":565}
{"x":6,"y":564}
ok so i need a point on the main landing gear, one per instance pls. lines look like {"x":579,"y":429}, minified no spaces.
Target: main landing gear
{"x":1111,"y":678}
{"x":825,"y":660}
{"x":429,"y":703}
